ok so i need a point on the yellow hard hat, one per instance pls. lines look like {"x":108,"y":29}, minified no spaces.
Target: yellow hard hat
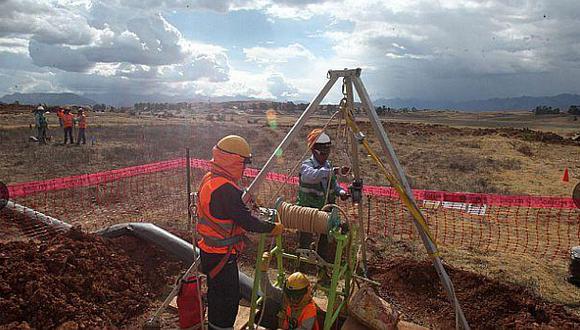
{"x":235,"y":144}
{"x":297,"y":281}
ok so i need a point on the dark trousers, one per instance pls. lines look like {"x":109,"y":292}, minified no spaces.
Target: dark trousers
{"x":41,"y":134}
{"x":67,"y":134}
{"x":325,"y":249}
{"x":81,"y":135}
{"x":223,"y":291}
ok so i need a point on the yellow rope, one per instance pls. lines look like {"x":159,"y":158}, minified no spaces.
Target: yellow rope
{"x":306,"y":219}
{"x":412,"y":207}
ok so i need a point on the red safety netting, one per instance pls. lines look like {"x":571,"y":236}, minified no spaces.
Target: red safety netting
{"x":541,"y":226}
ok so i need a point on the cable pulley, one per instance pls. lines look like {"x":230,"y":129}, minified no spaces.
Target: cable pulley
{"x":307,"y":219}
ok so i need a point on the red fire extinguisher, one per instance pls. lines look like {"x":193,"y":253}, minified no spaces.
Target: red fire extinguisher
{"x":188,"y":303}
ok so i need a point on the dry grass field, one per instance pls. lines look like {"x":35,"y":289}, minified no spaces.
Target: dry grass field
{"x":449,"y":157}
{"x":459,"y":152}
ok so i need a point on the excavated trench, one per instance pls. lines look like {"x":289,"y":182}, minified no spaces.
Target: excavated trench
{"x":83,"y":280}
{"x":414,"y":288}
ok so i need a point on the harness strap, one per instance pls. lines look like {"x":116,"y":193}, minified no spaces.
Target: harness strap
{"x":218,"y":268}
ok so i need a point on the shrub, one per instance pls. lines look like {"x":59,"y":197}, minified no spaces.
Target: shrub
{"x":525,"y":149}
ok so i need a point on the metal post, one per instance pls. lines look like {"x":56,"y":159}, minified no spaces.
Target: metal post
{"x":400,"y":175}
{"x":289,"y":137}
{"x":356,"y":170}
{"x":279,"y":262}
{"x":257,"y":279}
{"x":188,"y":188}
{"x":332,"y":291}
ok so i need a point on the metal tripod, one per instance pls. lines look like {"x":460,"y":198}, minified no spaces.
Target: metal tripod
{"x":351,"y":77}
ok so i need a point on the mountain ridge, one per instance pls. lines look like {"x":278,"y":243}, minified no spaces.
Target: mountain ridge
{"x":562,"y":101}
{"x":47,"y":98}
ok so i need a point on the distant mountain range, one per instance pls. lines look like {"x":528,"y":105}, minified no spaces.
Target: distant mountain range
{"x":562,"y":101}
{"x":129,"y":100}
{"x":47,"y":98}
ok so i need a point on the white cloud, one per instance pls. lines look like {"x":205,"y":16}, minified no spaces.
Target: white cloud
{"x":14,"y":45}
{"x":101,"y":46}
{"x":407,"y":48}
{"x":427,"y":49}
{"x":45,"y":22}
{"x":280,"y":88}
{"x":265,"y":55}
{"x":59,"y":56}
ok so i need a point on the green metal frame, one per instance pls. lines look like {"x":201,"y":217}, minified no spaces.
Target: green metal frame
{"x":341,"y":270}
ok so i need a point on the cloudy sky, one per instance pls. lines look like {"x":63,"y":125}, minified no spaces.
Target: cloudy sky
{"x":281,"y":49}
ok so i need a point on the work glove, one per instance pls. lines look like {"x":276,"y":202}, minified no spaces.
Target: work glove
{"x":342,"y":171}
{"x":278,"y":229}
{"x":265,"y":262}
{"x":344,"y":195}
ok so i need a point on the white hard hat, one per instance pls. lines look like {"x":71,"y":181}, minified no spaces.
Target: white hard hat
{"x":323,"y":138}
{"x":40,"y":108}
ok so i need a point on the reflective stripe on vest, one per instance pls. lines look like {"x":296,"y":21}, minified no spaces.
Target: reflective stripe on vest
{"x":312,"y":191}
{"x":314,"y":194}
{"x":217,"y":235}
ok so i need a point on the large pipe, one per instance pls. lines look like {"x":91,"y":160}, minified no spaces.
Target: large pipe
{"x":184,"y":251}
{"x":35,"y":215}
{"x":161,"y":238}
{"x":169,"y":243}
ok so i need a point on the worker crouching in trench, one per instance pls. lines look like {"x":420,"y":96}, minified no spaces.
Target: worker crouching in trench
{"x":223,"y":219}
{"x":299,"y":311}
{"x":318,"y":187}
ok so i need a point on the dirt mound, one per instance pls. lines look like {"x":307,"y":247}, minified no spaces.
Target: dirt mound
{"x":525,"y":134}
{"x":79,"y":278}
{"x":415,"y":288}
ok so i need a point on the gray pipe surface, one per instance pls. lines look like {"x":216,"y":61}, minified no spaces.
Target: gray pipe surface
{"x":159,"y":237}
{"x":35,"y":215}
{"x":183,"y":250}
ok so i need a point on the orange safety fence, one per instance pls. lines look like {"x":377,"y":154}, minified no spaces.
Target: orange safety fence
{"x":545,"y":227}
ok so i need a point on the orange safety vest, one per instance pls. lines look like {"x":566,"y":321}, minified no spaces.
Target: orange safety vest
{"x":221,"y":236}
{"x":68,"y":119}
{"x":83,"y":121}
{"x":292,"y":322}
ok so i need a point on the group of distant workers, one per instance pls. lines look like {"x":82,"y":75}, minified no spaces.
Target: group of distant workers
{"x":66,"y":120}
{"x":223,"y":219}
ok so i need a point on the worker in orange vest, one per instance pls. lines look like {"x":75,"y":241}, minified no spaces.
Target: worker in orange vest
{"x":60,"y":115}
{"x":68,"y":119}
{"x":299,"y":311}
{"x":82,"y":120}
{"x":223,"y":219}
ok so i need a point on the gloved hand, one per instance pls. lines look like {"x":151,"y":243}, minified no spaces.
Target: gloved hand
{"x":278,"y":229}
{"x":344,"y":195}
{"x":265,"y":261}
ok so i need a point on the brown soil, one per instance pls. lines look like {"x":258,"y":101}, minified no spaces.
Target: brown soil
{"x":81,"y":279}
{"x":415,"y":289}
{"x":525,"y":134}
